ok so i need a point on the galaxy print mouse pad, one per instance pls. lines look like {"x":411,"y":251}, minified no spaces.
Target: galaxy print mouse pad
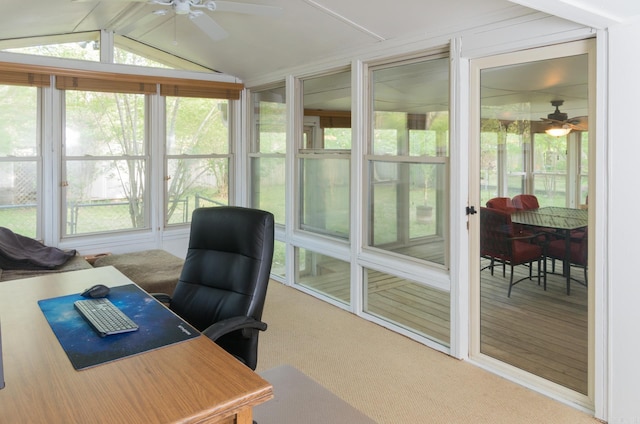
{"x":158,"y":327}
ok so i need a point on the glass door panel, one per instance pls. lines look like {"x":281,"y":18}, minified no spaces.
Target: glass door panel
{"x":532,"y":326}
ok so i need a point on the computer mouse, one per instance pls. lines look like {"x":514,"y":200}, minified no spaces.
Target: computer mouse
{"x":95,"y":291}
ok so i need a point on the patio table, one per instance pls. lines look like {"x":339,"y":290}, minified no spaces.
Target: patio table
{"x":563,"y":220}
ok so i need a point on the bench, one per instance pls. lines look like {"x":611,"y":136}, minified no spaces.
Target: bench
{"x":156,"y":271}
{"x":74,"y":264}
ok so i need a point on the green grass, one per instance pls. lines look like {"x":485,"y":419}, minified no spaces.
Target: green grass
{"x":19,"y":220}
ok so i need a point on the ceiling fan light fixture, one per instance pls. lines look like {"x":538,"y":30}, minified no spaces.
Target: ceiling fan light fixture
{"x":558,"y":131}
{"x":558,"y":123}
{"x":182,"y":7}
{"x":211,"y":5}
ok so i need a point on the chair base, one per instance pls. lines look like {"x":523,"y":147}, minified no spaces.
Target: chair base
{"x":542,"y":275}
{"x":563,"y":274}
{"x":511,"y":284}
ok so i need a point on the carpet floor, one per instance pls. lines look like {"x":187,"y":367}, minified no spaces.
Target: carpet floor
{"x":388,"y":377}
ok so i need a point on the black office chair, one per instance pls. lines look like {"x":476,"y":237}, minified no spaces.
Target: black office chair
{"x":223,"y":284}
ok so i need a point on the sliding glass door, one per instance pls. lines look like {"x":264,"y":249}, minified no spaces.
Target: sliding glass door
{"x":525,"y":319}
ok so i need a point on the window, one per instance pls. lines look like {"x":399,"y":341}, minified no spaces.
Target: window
{"x":584,"y":169}
{"x":130,"y":52}
{"x":126,"y":57}
{"x":197,"y":154}
{"x":88,"y":46}
{"x":324,"y":156}
{"x":268,"y":151}
{"x":410,"y":305}
{"x":105,"y":162}
{"x":561,"y":169}
{"x":517,"y":148}
{"x":101,"y":159}
{"x":408,"y":160}
{"x":507,"y":150}
{"x":323,"y":274}
{"x":20,"y":159}
{"x":550,"y":169}
{"x":81,"y":46}
{"x":278,"y":264}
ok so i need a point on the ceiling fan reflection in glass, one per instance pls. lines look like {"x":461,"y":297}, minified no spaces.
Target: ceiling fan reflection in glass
{"x":560,"y":124}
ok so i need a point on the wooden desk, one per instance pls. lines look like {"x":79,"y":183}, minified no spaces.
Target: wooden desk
{"x":194,"y":381}
{"x":563,"y":220}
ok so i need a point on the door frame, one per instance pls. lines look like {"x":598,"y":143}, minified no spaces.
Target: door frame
{"x":510,"y":372}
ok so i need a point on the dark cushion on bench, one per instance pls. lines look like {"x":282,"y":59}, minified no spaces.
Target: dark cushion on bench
{"x":156,"y":271}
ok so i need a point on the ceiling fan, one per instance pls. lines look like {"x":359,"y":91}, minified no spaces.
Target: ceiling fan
{"x":560,"y":124}
{"x":195,"y":10}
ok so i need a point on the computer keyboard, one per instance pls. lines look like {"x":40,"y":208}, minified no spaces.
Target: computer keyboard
{"x":104,"y":316}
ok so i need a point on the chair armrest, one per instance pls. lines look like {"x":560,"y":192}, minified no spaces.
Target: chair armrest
{"x":228,"y":325}
{"x":162,"y":297}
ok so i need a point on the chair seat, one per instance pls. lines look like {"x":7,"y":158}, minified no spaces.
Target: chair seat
{"x":577,"y":255}
{"x":557,"y":250}
{"x":524,"y":252}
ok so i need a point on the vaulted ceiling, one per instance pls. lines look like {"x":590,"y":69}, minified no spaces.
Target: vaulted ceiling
{"x":283,"y":34}
{"x":302,"y":31}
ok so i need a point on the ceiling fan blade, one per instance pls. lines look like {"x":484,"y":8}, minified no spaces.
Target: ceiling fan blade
{"x":248,"y":8}
{"x":552,"y":121}
{"x":579,"y":123}
{"x":209,"y":27}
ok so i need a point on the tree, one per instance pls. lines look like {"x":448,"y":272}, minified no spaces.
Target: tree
{"x":198,"y":145}
{"x":105,"y":148}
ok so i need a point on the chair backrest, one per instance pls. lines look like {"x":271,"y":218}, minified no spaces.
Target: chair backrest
{"x":496,"y":232}
{"x":580,"y":249}
{"x":226,"y":272}
{"x":501,"y":203}
{"x":525,"y":202}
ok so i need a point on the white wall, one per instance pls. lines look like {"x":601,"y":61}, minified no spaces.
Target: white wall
{"x":624,"y":231}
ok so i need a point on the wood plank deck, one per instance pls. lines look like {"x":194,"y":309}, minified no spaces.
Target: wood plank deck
{"x":542,"y":332}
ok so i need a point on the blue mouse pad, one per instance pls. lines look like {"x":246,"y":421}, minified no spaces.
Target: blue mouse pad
{"x":85,"y":348}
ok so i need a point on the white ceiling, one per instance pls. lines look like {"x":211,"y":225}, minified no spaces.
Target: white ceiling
{"x":306,"y":31}
{"x":505,"y":95}
{"x":594,"y":13}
